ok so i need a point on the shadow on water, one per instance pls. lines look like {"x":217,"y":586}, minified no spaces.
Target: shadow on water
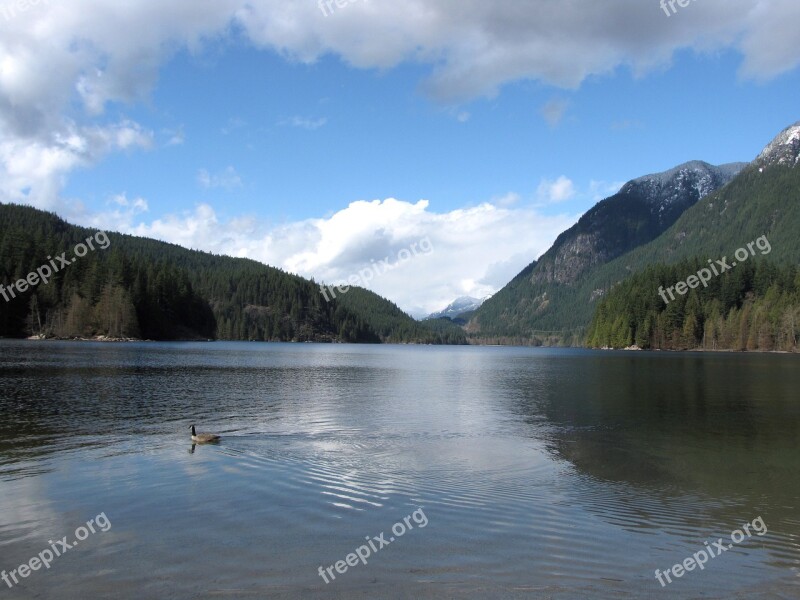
{"x":697,"y":444}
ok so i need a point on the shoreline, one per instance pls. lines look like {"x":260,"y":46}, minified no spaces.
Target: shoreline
{"x":113,"y":340}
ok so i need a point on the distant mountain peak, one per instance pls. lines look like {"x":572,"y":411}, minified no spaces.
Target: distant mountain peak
{"x":784,"y":149}
{"x":459,"y":306}
{"x":697,"y":175}
{"x":665,"y":176}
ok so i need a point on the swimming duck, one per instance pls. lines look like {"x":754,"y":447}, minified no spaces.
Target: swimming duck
{"x":204,"y":438}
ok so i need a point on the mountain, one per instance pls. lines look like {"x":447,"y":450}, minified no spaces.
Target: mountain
{"x":541,"y":302}
{"x":458,"y":307}
{"x":753,"y":305}
{"x":783,"y":150}
{"x":763,"y":200}
{"x":141,"y":288}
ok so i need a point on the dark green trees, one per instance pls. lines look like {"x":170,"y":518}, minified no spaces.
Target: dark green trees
{"x":755,"y":306}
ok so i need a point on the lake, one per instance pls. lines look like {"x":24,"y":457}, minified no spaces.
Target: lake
{"x":497,"y":472}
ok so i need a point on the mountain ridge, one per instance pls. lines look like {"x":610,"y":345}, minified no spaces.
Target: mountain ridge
{"x":763,"y":199}
{"x":641,"y":211}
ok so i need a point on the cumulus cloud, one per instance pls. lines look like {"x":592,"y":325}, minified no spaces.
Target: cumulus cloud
{"x":559,"y":190}
{"x":122,"y":212}
{"x":34,"y":170}
{"x":476,"y":46}
{"x":475,"y":251}
{"x":507,"y":200}
{"x":61,"y":64}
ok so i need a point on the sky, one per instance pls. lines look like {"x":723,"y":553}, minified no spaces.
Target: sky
{"x":325,"y":138}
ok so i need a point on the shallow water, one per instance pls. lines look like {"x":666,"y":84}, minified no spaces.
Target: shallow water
{"x":539,"y":473}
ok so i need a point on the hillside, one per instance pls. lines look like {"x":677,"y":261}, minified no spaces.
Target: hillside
{"x":140,"y":288}
{"x":546,"y":301}
{"x":392,"y":325}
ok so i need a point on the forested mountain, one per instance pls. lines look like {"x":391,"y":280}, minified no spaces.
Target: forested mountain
{"x":553,"y":301}
{"x":751,"y":306}
{"x":764,"y":200}
{"x":393,"y":325}
{"x":137,"y":287}
{"x":545,"y":300}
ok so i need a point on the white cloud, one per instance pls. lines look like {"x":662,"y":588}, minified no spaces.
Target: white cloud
{"x":476,"y":250}
{"x":137,"y":205}
{"x":559,"y":190}
{"x":507,"y":200}
{"x":227,"y":179}
{"x":33,"y":171}
{"x":476,"y":46}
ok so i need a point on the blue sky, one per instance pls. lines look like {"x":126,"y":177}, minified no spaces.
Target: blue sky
{"x":305,"y":140}
{"x":319,"y":144}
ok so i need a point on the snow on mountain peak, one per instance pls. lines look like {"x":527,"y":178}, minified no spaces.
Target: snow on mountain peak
{"x":459,"y":306}
{"x":784,"y":149}
{"x":695,"y":178}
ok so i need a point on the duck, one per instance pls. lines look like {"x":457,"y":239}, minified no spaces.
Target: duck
{"x":204,"y":438}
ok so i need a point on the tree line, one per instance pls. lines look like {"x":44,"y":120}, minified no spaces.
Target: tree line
{"x":755,"y":306}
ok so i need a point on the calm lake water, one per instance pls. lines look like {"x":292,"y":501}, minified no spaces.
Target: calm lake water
{"x":539,"y":473}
